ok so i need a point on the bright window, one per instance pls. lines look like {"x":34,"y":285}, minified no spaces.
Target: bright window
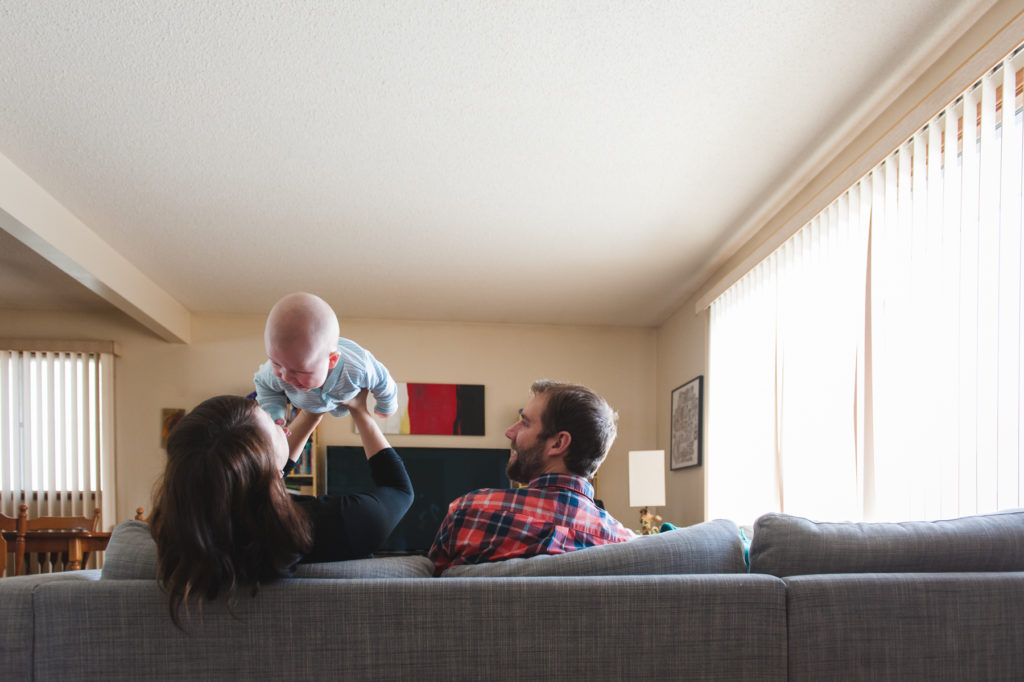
{"x":56,"y":432}
{"x":871,"y":367}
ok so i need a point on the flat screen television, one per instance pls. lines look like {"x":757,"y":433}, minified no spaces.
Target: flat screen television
{"x":438,"y":475}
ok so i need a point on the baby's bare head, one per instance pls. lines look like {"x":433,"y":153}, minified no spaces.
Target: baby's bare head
{"x":301,"y":334}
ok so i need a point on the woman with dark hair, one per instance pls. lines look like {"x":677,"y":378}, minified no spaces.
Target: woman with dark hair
{"x":222,"y":519}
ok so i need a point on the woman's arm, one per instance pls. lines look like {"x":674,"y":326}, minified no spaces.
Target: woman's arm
{"x":353,"y":526}
{"x":382,"y":509}
{"x":299,"y":431}
{"x":373,"y":440}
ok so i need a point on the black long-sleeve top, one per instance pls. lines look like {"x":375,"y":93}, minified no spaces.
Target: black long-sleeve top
{"x":354,"y":526}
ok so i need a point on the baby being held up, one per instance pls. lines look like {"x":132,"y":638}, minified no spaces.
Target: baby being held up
{"x":313,"y":368}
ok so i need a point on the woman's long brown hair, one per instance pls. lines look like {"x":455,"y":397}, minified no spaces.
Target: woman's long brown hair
{"x":222,"y":519}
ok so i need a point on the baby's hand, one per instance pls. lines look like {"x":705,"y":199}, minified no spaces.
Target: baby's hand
{"x":281,"y":423}
{"x":358,"y":404}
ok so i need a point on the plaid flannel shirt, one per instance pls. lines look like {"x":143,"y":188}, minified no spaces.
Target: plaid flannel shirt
{"x":554,"y":514}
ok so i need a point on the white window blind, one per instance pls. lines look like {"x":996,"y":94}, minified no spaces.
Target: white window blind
{"x":871,"y":367}
{"x":56,"y":433}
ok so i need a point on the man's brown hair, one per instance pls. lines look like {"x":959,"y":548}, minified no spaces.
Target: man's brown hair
{"x":585,"y":416}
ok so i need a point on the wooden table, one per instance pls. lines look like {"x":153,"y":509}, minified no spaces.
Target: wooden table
{"x":74,"y":543}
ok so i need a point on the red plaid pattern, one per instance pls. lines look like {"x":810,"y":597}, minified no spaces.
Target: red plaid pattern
{"x":554,"y":514}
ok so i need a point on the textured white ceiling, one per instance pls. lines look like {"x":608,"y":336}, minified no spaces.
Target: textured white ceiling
{"x":529,"y":162}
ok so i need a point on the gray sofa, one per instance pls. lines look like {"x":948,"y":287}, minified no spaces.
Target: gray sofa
{"x":913,"y":601}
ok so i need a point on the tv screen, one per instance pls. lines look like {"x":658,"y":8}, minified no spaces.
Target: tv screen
{"x":438,"y":475}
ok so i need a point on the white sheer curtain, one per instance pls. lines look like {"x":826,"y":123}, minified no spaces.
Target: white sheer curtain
{"x":947,"y":311}
{"x":871,"y":367}
{"x":786,"y":359}
{"x":742,"y":465}
{"x":56,"y":433}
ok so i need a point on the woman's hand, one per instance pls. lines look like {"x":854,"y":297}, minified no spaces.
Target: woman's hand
{"x":358,"y":404}
{"x":373,"y":440}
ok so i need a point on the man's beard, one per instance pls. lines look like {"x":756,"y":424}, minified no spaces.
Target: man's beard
{"x":527,"y":464}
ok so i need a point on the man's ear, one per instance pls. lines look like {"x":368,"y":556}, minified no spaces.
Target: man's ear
{"x":333,"y":359}
{"x":559,"y":444}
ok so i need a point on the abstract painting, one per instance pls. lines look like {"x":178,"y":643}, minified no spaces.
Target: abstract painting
{"x":436,"y":409}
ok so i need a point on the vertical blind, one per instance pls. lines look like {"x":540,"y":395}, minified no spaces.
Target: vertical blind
{"x":871,"y":367}
{"x":56,"y":433}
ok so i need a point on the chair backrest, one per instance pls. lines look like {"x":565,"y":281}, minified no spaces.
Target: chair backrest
{"x":62,"y":522}
{"x":25,"y":525}
{"x":8,"y":522}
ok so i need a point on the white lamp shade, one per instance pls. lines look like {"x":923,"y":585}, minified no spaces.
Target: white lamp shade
{"x":646,"y":478}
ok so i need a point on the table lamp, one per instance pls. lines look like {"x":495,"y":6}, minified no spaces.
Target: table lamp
{"x":647,"y":485}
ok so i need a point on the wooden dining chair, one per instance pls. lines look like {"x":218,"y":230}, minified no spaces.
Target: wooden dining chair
{"x":63,"y":522}
{"x":8,"y":523}
{"x":42,"y":523}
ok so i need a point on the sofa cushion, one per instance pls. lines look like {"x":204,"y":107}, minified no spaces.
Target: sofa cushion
{"x":131,"y":554}
{"x":710,"y":547}
{"x":378,"y":567}
{"x":785,"y":545}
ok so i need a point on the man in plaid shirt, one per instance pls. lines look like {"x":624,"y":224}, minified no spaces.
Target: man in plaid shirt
{"x":562,"y":436}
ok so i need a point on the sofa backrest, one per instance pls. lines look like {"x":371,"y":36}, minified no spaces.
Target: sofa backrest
{"x":710,"y":547}
{"x":18,"y":645}
{"x":905,"y":626}
{"x":785,"y":545}
{"x":131,"y":555}
{"x":703,"y":627}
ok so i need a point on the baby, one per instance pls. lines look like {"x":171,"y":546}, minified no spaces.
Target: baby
{"x":314,"y":369}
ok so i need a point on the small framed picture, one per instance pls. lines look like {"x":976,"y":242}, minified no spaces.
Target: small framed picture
{"x":169,"y":417}
{"x":687,"y":422}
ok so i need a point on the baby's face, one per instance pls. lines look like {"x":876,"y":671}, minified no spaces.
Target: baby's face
{"x":301,"y":368}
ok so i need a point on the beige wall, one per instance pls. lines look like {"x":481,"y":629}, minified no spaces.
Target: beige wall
{"x":619,"y":363}
{"x":682,"y":342}
{"x":980,"y":47}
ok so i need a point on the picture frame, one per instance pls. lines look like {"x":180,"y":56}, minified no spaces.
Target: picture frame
{"x":434,"y":410}
{"x":169,"y":418}
{"x":687,"y":425}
